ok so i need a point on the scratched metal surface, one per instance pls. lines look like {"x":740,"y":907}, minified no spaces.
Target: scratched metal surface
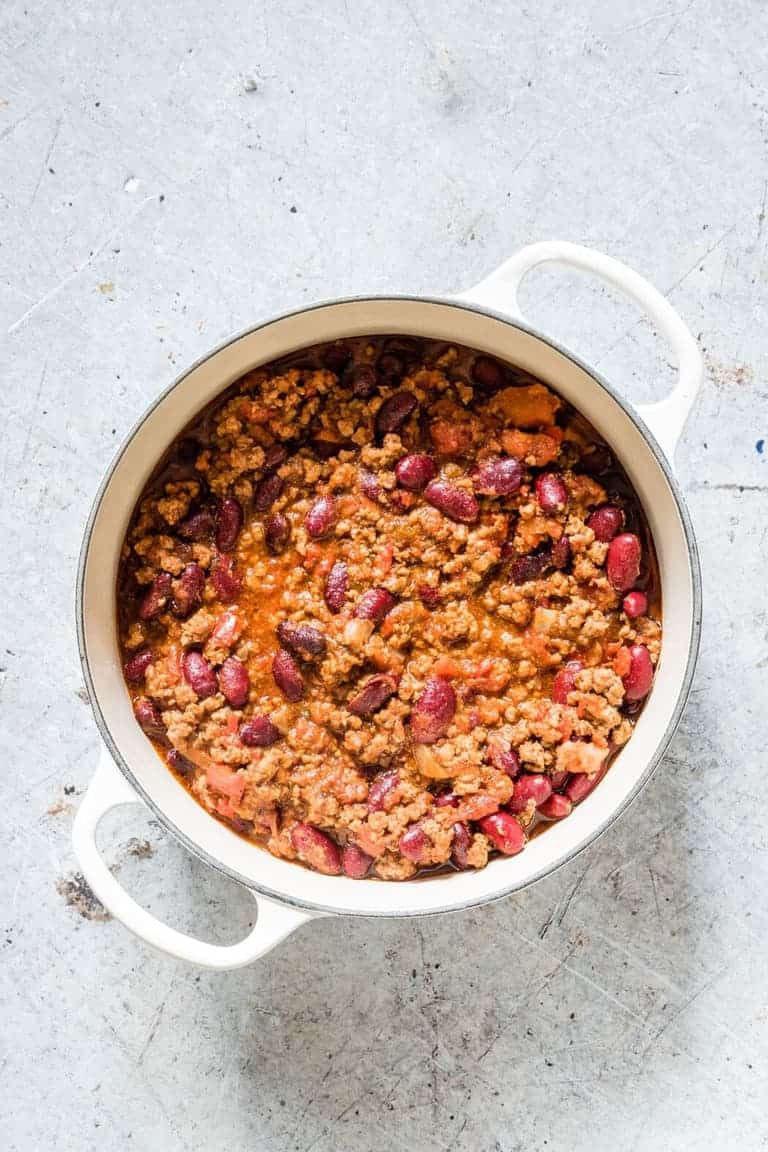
{"x":170,"y":173}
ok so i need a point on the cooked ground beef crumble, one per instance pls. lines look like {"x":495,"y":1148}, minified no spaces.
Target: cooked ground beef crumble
{"x":388,"y":605}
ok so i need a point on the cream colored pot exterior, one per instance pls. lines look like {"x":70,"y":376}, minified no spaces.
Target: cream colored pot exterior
{"x":487,"y":319}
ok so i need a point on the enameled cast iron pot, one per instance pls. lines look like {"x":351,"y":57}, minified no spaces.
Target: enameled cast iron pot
{"x":486,"y":318}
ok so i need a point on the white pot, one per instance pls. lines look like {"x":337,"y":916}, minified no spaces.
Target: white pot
{"x":486,"y":318}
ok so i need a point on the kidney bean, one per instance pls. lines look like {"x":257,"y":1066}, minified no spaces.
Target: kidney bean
{"x":447,"y":800}
{"x":637,"y":682}
{"x":556,"y":807}
{"x":380,"y":789}
{"x":635,"y":604}
{"x":316,"y":849}
{"x":374,"y":605}
{"x":198,"y":673}
{"x":363,"y":381}
{"x":394,"y":412}
{"x":267,"y":491}
{"x":373,"y":695}
{"x":460,"y":845}
{"x":148,"y":715}
{"x":415,"y":471}
{"x":478,"y":805}
{"x":301,"y":638}
{"x":228,"y":524}
{"x":355,"y":862}
{"x":504,"y":832}
{"x":429,"y":596}
{"x":551,"y":492}
{"x":560,"y":553}
{"x":581,"y":784}
{"x":179,"y":762}
{"x":188,"y":591}
{"x":455,"y":503}
{"x":605,"y":522}
{"x":369,"y":485}
{"x":565,"y":681}
{"x":326,"y":449}
{"x":527,"y":568}
{"x":135,"y":668}
{"x":336,"y":585}
{"x":227,"y":581}
{"x":558,"y":779}
{"x":259,"y":732}
{"x":433,"y":710}
{"x":274,"y":456}
{"x":199,"y":526}
{"x":277,"y":533}
{"x":234,"y":683}
{"x":622,"y":563}
{"x":414,"y":844}
{"x":498,"y":476}
{"x":487,"y":373}
{"x":596,"y":460}
{"x":321,"y":516}
{"x":156,"y":598}
{"x":287,"y":676}
{"x":530,"y":786}
{"x":336,"y":358}
{"x":390,"y":367}
{"x":503,"y":759}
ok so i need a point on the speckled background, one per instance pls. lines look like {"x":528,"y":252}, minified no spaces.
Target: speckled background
{"x":172,"y":173}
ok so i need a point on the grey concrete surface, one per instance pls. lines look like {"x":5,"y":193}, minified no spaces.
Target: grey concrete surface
{"x":169,"y":174}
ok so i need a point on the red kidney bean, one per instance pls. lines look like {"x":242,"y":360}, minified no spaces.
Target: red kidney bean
{"x":227,"y":581}
{"x":605,"y":522}
{"x":380,"y":788}
{"x":156,"y":598}
{"x":635,"y":604}
{"x":316,"y":849}
{"x":556,"y":807}
{"x":460,"y":845}
{"x":369,"y":485}
{"x":565,"y":681}
{"x":199,"y":674}
{"x":326,"y":449}
{"x":336,"y":358}
{"x":336,"y":585}
{"x":355,"y":862}
{"x":581,"y":784}
{"x":503,"y":759}
{"x":390,"y":367}
{"x":374,"y":605}
{"x":301,"y":638}
{"x":373,"y":695}
{"x":267,"y":491}
{"x":527,"y":568}
{"x":498,"y":476}
{"x":637,"y":682}
{"x":447,"y":800}
{"x":487,"y":373}
{"x":188,"y":591}
{"x":530,"y":786}
{"x":287,"y":676}
{"x":560,"y":553}
{"x":135,"y":668}
{"x":455,"y":503}
{"x":363,"y":381}
{"x":558,"y":779}
{"x":199,"y":526}
{"x":234,"y":683}
{"x":259,"y":732}
{"x":228,"y":524}
{"x":414,"y":844}
{"x":504,"y":832}
{"x":274,"y":457}
{"x":180,"y":763}
{"x":551,"y":492}
{"x":415,"y":471}
{"x":596,"y":460}
{"x":433,"y":710}
{"x":394,"y":412}
{"x":622,"y":563}
{"x":277,"y":533}
{"x":429,"y":596}
{"x":148,"y":715}
{"x":321,"y":516}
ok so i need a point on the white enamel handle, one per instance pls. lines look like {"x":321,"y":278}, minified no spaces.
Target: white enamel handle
{"x":667,"y":418}
{"x":109,"y":789}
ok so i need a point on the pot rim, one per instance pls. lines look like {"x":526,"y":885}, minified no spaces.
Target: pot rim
{"x":663,"y":742}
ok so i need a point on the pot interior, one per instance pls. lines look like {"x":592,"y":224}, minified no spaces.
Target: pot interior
{"x":98,"y":633}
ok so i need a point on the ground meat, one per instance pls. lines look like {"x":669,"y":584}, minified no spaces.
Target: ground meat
{"x":381,"y":650}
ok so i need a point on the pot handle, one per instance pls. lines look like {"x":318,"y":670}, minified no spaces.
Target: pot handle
{"x":109,"y":789}
{"x":667,"y":417}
